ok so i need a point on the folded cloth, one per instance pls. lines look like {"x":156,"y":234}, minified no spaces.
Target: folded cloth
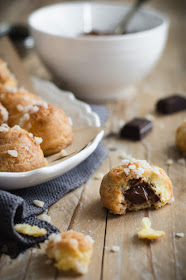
{"x":17,"y":206}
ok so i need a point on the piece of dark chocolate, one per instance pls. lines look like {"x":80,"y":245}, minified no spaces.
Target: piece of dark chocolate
{"x":136,"y":129}
{"x":171,"y":104}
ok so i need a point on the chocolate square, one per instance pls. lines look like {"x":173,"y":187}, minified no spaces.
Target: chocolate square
{"x":136,"y":129}
{"x":171,"y":104}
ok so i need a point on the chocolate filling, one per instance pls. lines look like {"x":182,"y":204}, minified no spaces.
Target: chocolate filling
{"x":140,"y":192}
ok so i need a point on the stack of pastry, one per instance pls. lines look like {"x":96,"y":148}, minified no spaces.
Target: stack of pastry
{"x":47,"y":123}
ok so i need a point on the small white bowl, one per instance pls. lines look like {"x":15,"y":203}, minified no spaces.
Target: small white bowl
{"x":97,"y":68}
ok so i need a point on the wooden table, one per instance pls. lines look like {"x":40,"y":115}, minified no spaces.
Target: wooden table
{"x":81,"y":209}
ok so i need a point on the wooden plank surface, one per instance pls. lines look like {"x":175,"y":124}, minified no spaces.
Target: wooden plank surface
{"x":81,"y":209}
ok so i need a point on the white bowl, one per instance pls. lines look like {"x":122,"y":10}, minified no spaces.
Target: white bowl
{"x":97,"y":67}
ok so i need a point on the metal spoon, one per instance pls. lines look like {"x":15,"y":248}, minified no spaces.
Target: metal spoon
{"x":121,"y":28}
{"x":17,"y":32}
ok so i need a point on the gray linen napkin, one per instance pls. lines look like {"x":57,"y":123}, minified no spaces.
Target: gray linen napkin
{"x":17,"y":206}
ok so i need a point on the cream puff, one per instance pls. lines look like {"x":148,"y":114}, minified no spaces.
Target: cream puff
{"x":135,"y":185}
{"x":70,"y":250}
{"x":181,"y":137}
{"x":19,"y":150}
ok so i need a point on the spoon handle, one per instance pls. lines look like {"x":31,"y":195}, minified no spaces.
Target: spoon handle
{"x":15,"y":31}
{"x":121,"y":28}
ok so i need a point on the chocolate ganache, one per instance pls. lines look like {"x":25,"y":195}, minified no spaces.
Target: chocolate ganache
{"x":140,"y":192}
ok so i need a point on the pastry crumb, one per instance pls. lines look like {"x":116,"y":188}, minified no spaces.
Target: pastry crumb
{"x":181,"y":161}
{"x":45,"y":217}
{"x":169,"y":161}
{"x":63,"y":153}
{"x":124,"y":155}
{"x":50,"y":261}
{"x":115,"y":249}
{"x":27,"y":229}
{"x":38,"y":140}
{"x":35,"y":250}
{"x":180,"y":234}
{"x":38,"y":203}
{"x":149,"y":117}
{"x":99,"y":176}
{"x":146,"y":232}
{"x":13,"y":153}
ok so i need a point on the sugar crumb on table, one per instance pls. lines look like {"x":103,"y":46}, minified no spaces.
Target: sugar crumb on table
{"x":115,"y":249}
{"x":45,"y":217}
{"x":98,"y":176}
{"x":38,"y":203}
{"x":179,"y":234}
{"x":169,"y":161}
{"x":181,"y":161}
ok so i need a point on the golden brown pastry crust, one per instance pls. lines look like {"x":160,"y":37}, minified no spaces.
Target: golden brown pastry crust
{"x":71,"y":250}
{"x":11,"y":98}
{"x":52,"y":125}
{"x":6,"y":77}
{"x":45,"y":121}
{"x":120,"y":178}
{"x":181,"y":137}
{"x":19,"y":151}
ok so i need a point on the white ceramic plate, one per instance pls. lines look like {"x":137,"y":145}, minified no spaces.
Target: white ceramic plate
{"x":81,"y":115}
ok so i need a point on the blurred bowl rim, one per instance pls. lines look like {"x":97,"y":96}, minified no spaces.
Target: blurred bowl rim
{"x":165,"y":22}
